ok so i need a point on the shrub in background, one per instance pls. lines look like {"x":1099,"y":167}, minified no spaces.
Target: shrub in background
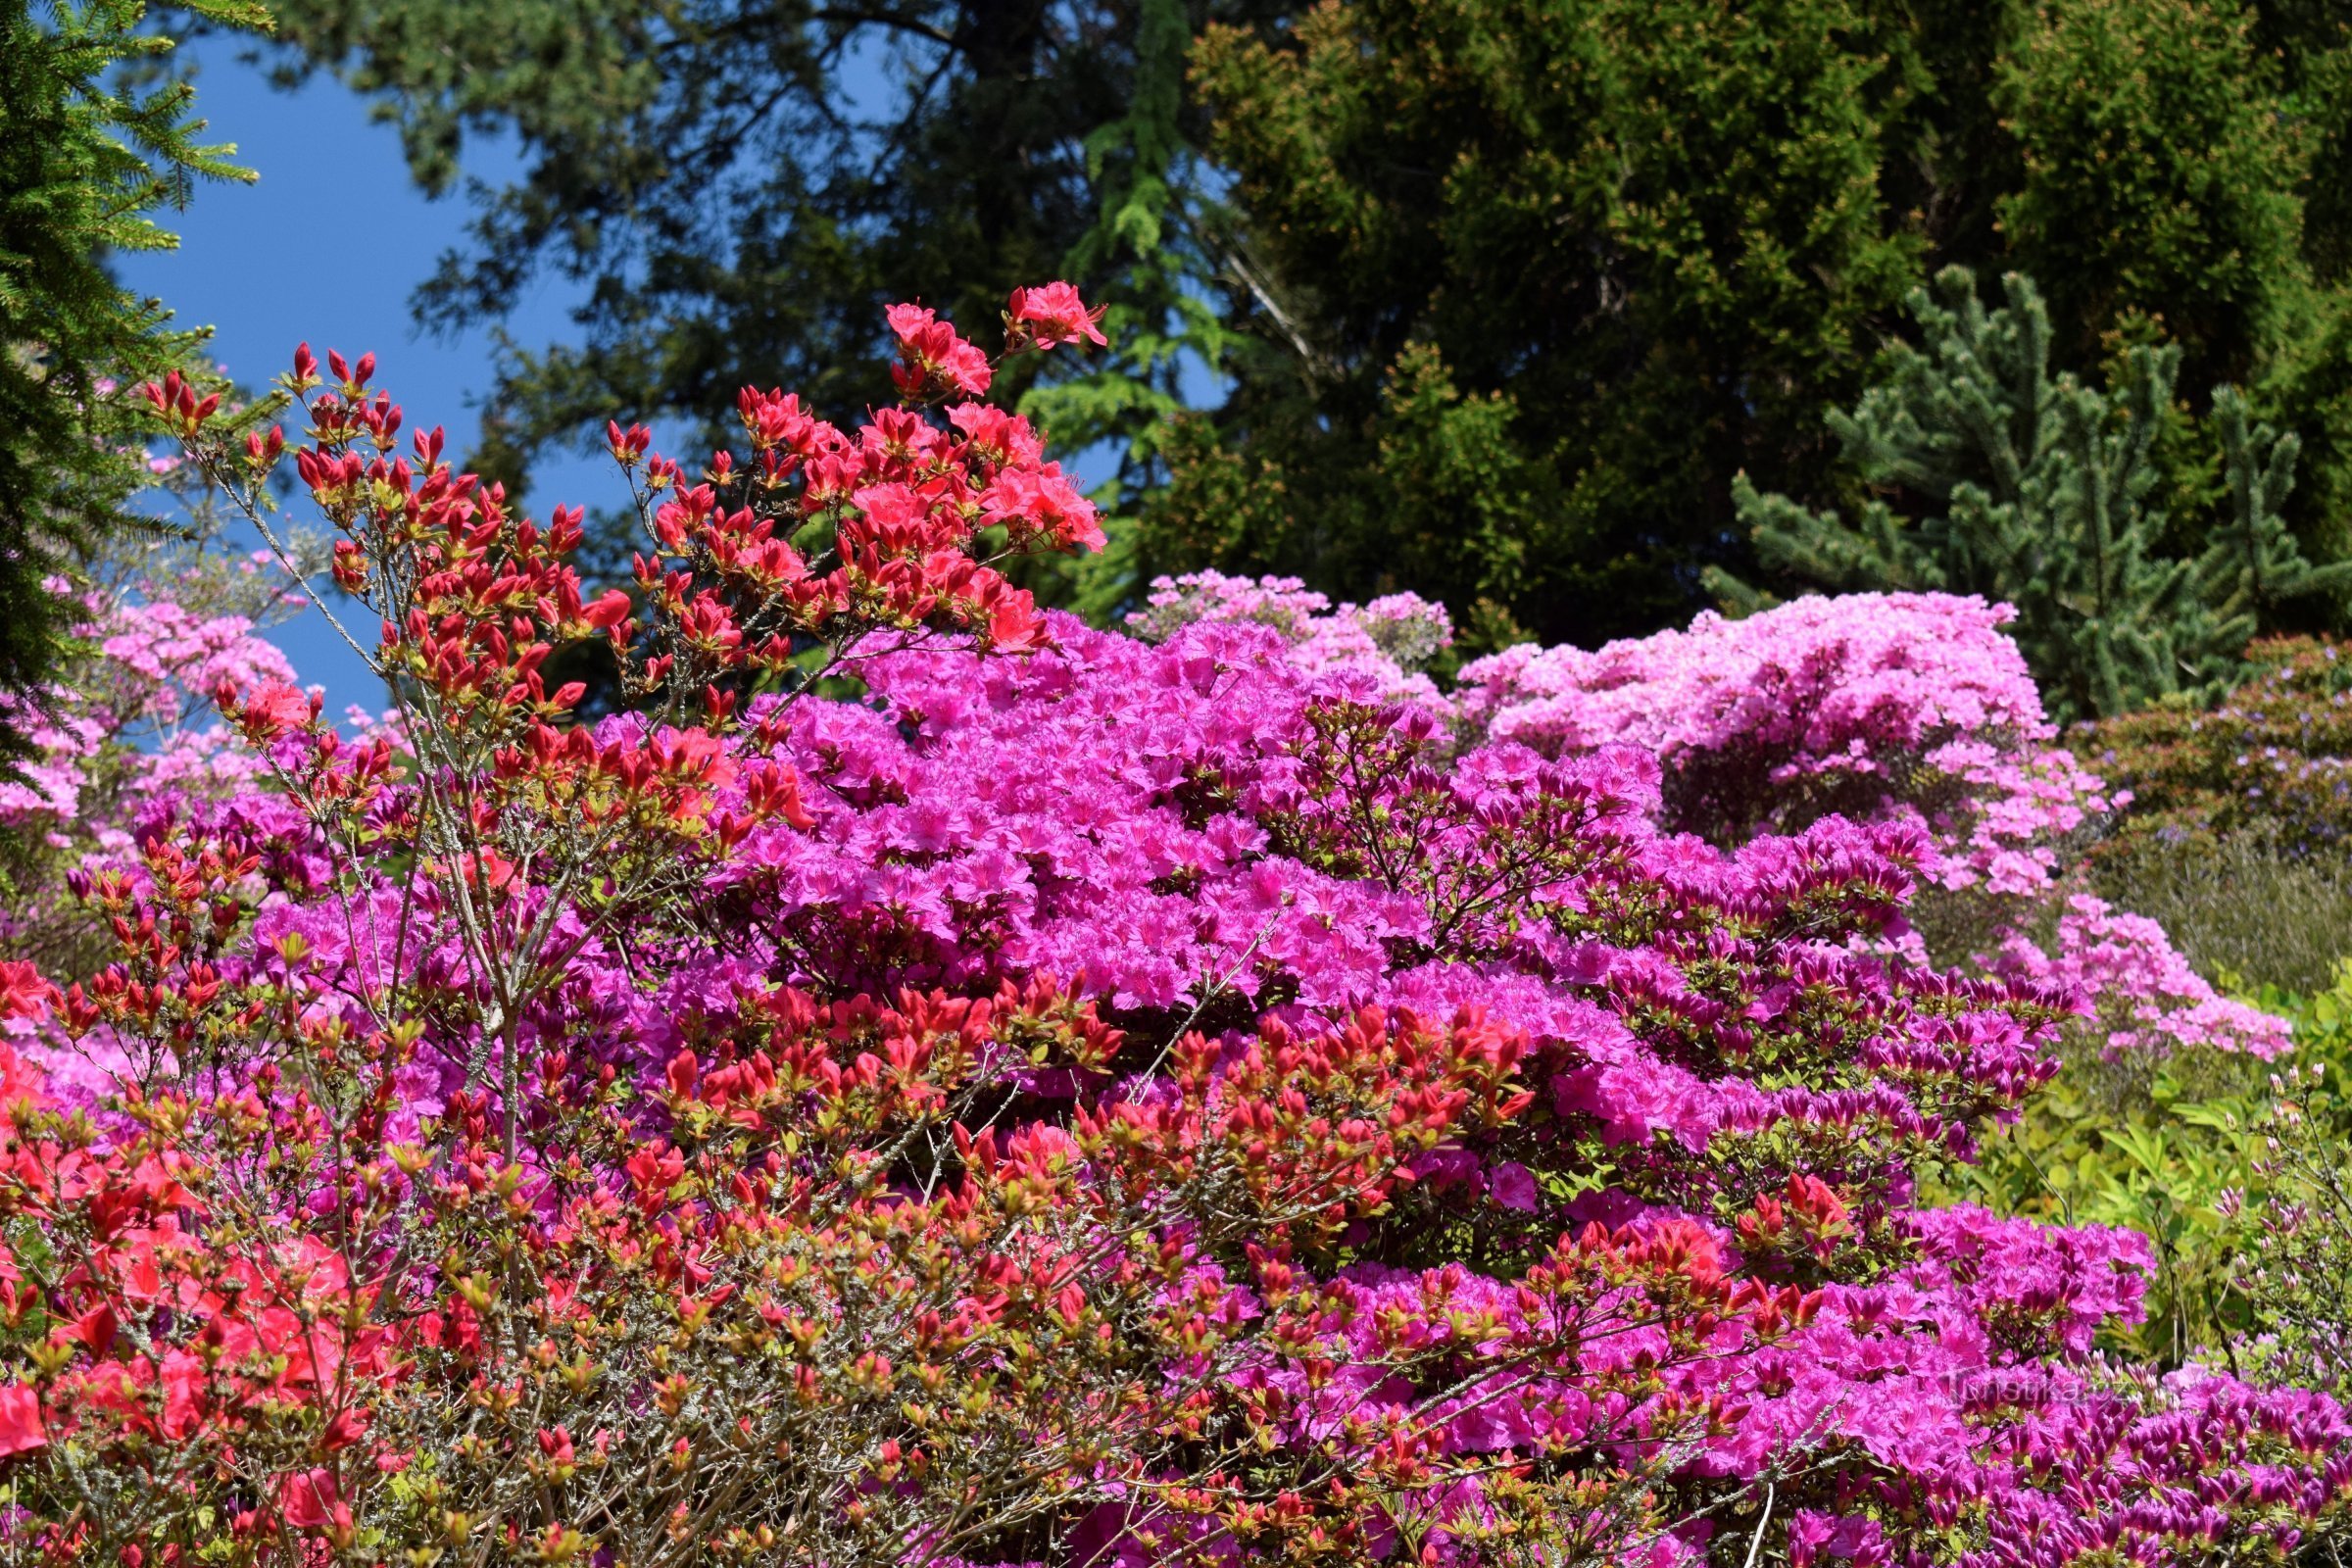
{"x":2252,"y":909}
{"x":157,"y":622}
{"x":2240,"y":816}
{"x":2274,"y":756}
{"x":1394,"y":640}
{"x":1863,"y":704}
{"x":1909,"y":706}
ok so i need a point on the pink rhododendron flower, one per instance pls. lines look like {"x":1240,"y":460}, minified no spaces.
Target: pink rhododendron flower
{"x":933,"y":357}
{"x":1054,"y":314}
{"x":20,"y":1419}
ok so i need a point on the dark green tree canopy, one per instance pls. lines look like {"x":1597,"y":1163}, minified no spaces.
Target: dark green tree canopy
{"x":1535,"y":279}
{"x":1505,"y":292}
{"x":1655,"y":241}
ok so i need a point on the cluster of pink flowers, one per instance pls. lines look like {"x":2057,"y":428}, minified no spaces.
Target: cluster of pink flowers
{"x":1879,"y":706}
{"x":1864,"y":702}
{"x":133,"y":717}
{"x":2144,"y":994}
{"x":1085,"y":1100}
{"x":1391,"y":640}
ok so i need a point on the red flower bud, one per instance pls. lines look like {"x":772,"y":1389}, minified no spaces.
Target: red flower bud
{"x":610,"y":608}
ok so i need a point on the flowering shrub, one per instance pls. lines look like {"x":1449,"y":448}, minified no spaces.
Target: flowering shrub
{"x":2237,"y":832}
{"x":1913,"y":706}
{"x":1910,"y":707}
{"x":1084,"y":1102}
{"x":1393,"y":639}
{"x":157,"y":626}
{"x":2144,"y":992}
{"x":140,"y":698}
{"x":2275,"y":755}
{"x":1863,"y":704}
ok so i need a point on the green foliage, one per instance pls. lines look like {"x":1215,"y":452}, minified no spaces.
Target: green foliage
{"x":1671,"y":238}
{"x":1448,"y":499}
{"x":90,"y":147}
{"x":2174,"y":1149}
{"x":2155,"y":1146}
{"x":2156,"y":177}
{"x":1995,"y":476}
{"x":2257,"y":905}
{"x":1528,"y":284}
{"x":2291,"y":1236}
{"x":2235,"y":1171}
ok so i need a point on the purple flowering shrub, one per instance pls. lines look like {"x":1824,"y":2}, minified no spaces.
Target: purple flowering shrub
{"x":1876,"y":707}
{"x":1917,"y":707}
{"x":1864,"y":703}
{"x":1393,"y":639}
{"x":1204,"y":1099}
{"x":2274,"y":756}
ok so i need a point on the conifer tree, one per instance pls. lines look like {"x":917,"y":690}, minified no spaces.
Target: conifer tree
{"x":1500,"y":294}
{"x":1992,"y":475}
{"x":86,"y":157}
{"x":2252,"y":564}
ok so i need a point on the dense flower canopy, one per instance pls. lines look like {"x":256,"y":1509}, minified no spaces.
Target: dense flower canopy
{"x":1064,"y":1098}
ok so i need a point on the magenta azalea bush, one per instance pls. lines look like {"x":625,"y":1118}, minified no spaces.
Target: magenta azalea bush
{"x":936,"y":1083}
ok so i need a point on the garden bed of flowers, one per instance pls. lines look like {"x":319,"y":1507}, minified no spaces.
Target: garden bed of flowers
{"x":934,"y":1083}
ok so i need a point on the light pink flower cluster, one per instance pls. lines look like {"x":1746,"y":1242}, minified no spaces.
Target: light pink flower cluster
{"x":1876,"y":706}
{"x":2146,"y":996}
{"x":1866,"y":701}
{"x":1390,"y":640}
{"x":134,"y":718}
